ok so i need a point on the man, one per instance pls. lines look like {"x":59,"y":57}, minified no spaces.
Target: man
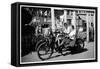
{"x":38,"y":30}
{"x":70,"y":32}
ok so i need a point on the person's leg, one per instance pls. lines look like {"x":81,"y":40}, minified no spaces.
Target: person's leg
{"x":72,"y":42}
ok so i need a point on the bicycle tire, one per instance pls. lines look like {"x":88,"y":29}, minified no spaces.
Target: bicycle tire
{"x":42,"y":45}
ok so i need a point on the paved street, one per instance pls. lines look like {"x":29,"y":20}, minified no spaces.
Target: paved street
{"x":87,"y":53}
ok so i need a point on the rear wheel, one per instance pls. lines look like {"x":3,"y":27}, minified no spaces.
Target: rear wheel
{"x":80,"y":43}
{"x":44,"y":51}
{"x":65,"y":50}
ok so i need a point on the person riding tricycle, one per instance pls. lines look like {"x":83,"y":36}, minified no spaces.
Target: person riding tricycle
{"x":60,"y":42}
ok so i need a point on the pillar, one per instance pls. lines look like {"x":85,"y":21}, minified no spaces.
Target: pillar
{"x":74,"y":19}
{"x":52,"y":20}
{"x":87,"y":21}
{"x":65,"y":16}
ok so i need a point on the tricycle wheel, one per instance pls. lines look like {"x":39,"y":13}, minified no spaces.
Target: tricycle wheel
{"x":44,"y":51}
{"x":80,"y":43}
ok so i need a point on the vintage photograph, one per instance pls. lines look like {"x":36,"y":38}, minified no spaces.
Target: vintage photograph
{"x":53,"y":34}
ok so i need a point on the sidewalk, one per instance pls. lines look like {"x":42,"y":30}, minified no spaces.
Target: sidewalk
{"x":88,"y":54}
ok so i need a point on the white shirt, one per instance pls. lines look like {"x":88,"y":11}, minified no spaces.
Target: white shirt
{"x":72,"y":34}
{"x":70,"y":31}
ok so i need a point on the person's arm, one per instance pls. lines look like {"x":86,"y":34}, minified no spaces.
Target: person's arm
{"x":36,"y":31}
{"x":68,"y":30}
{"x":72,"y":34}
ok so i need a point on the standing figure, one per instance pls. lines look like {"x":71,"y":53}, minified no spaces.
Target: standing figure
{"x":38,"y":30}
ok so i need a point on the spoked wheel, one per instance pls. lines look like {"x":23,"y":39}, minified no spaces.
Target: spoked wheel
{"x":44,"y":51}
{"x":65,"y":50}
{"x":79,"y":44}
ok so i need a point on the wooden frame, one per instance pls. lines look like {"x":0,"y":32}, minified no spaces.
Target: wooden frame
{"x":16,"y":32}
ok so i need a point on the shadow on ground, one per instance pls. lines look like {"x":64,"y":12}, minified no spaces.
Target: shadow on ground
{"x":73,"y":51}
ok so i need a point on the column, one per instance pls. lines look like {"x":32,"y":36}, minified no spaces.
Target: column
{"x":52,"y":20}
{"x":87,"y":21}
{"x":74,"y":23}
{"x":65,"y":16}
{"x":74,"y":19}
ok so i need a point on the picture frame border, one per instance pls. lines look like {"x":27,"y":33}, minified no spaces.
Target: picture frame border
{"x":15,"y":36}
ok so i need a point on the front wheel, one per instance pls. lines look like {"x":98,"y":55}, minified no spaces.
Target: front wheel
{"x":44,"y":51}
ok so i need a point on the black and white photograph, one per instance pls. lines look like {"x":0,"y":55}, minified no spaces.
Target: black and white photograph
{"x":56,"y":34}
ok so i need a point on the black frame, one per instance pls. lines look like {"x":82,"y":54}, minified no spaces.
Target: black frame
{"x":15,"y":33}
